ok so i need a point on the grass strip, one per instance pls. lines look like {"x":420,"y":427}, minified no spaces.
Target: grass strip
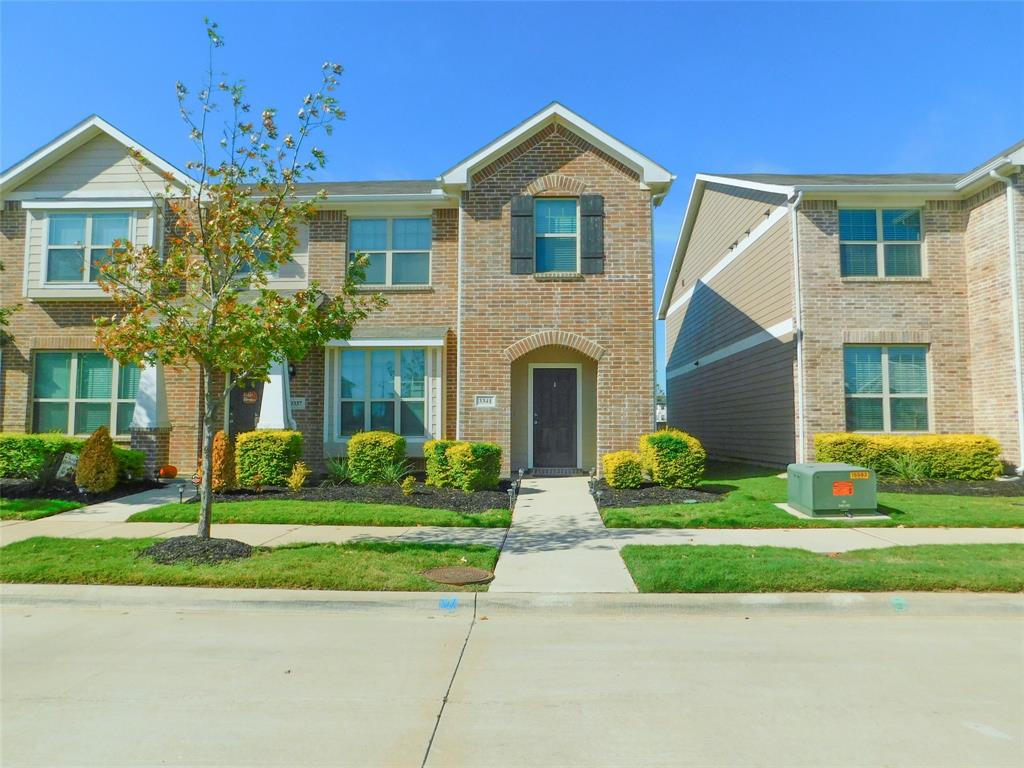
{"x":33,"y":509}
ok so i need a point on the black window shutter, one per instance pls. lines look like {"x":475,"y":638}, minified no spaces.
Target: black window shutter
{"x":523,"y":243}
{"x":592,"y":234}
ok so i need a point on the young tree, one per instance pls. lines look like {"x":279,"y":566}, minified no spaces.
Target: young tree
{"x":204,"y":301}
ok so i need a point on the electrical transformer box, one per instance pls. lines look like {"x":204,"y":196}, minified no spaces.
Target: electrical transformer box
{"x":832,"y":489}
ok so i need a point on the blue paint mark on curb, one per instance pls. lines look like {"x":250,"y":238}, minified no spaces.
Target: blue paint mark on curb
{"x":448,"y":603}
{"x":899,"y":604}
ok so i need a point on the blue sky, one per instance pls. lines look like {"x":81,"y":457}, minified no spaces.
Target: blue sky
{"x":760,"y":87}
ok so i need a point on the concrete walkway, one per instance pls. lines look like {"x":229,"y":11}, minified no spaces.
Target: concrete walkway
{"x":119,"y":510}
{"x":558,"y":543}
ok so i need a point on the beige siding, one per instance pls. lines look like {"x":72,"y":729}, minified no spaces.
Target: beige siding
{"x":295,"y":274}
{"x":99,"y":166}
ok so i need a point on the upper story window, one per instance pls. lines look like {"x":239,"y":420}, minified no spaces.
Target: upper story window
{"x":397,"y":251}
{"x":886,"y":388}
{"x":382,"y":389}
{"x":77,"y":392}
{"x":77,"y":243}
{"x":883,"y":242}
{"x":556,"y":229}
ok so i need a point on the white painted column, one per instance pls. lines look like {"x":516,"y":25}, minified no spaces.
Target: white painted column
{"x":151,"y":400}
{"x":276,"y":405}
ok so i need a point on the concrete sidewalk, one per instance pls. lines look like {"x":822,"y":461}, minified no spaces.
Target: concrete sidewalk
{"x":119,"y":510}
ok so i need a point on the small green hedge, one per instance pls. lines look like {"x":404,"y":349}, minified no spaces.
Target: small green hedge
{"x":623,"y":469}
{"x":941,"y":457}
{"x":266,"y":456}
{"x":672,"y":458}
{"x":460,"y":464}
{"x":23,"y":455}
{"x":370,"y":454}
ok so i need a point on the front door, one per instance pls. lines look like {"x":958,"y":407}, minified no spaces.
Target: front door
{"x":244,"y":407}
{"x":554,"y":417}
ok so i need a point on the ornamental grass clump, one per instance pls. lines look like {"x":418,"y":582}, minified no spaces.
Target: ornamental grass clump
{"x":672,"y":458}
{"x":97,"y":466}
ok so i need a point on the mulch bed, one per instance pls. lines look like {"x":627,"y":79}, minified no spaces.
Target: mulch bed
{"x":650,"y":494}
{"x":423,"y":496}
{"x":68,"y":491}
{"x":192,"y":549}
{"x":1013,"y":487}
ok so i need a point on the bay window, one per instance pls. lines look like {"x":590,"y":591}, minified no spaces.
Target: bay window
{"x":880,"y":243}
{"x":397,"y":251}
{"x":77,"y":243}
{"x":886,"y":388}
{"x":382,"y":389}
{"x":75,"y":393}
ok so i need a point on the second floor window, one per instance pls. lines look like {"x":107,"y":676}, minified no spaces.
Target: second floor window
{"x":77,"y":243}
{"x":397,"y":251}
{"x":556,"y":230}
{"x":880,"y":243}
{"x":886,"y":388}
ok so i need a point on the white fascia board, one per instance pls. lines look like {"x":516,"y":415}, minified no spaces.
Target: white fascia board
{"x":778,"y":189}
{"x":651,"y":174}
{"x":422,"y":197}
{"x":87,"y":203}
{"x":875,"y":188}
{"x":73,"y":138}
{"x":385,"y":343}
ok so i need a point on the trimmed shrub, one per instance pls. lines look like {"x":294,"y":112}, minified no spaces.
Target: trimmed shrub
{"x":97,"y":467}
{"x":672,"y":458}
{"x":474,"y":466}
{"x":131,"y":465}
{"x":300,"y":474}
{"x":23,"y":455}
{"x":371,"y":455}
{"x":623,"y":469}
{"x":224,"y":474}
{"x":939,"y":457}
{"x":439,"y":471}
{"x":266,"y":456}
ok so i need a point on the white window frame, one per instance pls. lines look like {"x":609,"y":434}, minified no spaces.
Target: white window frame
{"x":537,"y":236}
{"x":86,"y":246}
{"x":886,"y":396}
{"x":389,"y":252}
{"x":73,"y":399}
{"x":367,"y":400}
{"x":881,"y":242}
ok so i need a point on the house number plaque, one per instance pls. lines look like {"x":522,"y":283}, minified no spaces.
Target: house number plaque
{"x":485,"y":401}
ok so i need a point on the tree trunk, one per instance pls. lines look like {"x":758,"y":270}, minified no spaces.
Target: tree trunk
{"x":206,"y":468}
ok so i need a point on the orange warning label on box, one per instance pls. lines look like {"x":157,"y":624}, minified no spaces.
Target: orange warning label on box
{"x":842,"y":488}
{"x":860,"y":475}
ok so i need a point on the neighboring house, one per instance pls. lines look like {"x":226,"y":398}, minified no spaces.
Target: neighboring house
{"x":801,"y":304}
{"x":519,"y":282}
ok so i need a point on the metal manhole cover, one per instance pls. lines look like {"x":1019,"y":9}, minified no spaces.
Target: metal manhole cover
{"x":458,"y":576}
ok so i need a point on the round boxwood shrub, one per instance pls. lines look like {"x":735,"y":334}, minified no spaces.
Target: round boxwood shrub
{"x":622,"y":469}
{"x":97,"y":467}
{"x":372,"y":454}
{"x":266,"y":456}
{"x":672,"y":458}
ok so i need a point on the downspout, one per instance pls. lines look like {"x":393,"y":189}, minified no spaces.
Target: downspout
{"x":458,"y":324}
{"x":654,"y":334}
{"x":1018,"y":346}
{"x":798,"y":329}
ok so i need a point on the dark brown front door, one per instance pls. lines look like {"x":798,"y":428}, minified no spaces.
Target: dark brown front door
{"x":244,"y":409}
{"x":554,"y":417}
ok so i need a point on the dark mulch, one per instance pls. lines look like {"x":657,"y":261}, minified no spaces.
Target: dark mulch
{"x":423,"y":496}
{"x":650,"y":494}
{"x":68,"y":491}
{"x":192,"y":549}
{"x":1013,"y":487}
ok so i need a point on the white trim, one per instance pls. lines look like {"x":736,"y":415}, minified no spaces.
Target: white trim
{"x":886,"y":396}
{"x":576,"y":236}
{"x":86,"y":204}
{"x":880,"y":242}
{"x":87,"y":247}
{"x":360,"y":343}
{"x":755,"y":234}
{"x":458,"y":323}
{"x":777,"y":331}
{"x":390,"y":251}
{"x":578,"y":367}
{"x":650,"y":172}
{"x":778,"y":189}
{"x":75,"y":137}
{"x":800,"y":454}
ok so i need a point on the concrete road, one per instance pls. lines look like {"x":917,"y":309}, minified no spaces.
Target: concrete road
{"x":123,"y":676}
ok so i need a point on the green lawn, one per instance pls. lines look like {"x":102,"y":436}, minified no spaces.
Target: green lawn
{"x":325,"y":513}
{"x":33,"y":509}
{"x":753,"y":491}
{"x":368,"y":565}
{"x":688,"y":568}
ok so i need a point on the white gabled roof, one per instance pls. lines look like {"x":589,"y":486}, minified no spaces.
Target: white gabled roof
{"x":651,"y":174}
{"x":72,"y":139}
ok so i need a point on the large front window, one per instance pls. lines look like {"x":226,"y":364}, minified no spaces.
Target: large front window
{"x":77,"y":392}
{"x":78,"y":243}
{"x":382,"y":389}
{"x":556,"y":232}
{"x":397,"y":251}
{"x":886,"y":388}
{"x":880,"y":243}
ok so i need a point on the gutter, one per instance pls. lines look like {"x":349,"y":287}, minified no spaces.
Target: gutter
{"x":1011,"y":219}
{"x":798,"y":329}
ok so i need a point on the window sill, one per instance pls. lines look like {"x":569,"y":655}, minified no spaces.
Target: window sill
{"x":395,"y":288}
{"x":558,"y":277}
{"x":874,"y":279}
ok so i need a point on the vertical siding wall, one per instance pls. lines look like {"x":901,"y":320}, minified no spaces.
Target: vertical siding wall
{"x":739,"y":403}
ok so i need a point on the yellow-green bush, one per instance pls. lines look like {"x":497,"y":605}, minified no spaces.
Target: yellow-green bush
{"x":623,"y":469}
{"x":97,"y":467}
{"x":941,"y":457}
{"x":266,"y":456}
{"x":435,"y":453}
{"x":371,"y":454}
{"x":299,"y":475}
{"x":25,"y":455}
{"x":672,"y":458}
{"x":474,"y":466}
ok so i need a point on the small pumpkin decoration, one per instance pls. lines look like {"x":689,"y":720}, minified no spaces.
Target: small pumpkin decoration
{"x":168,"y":472}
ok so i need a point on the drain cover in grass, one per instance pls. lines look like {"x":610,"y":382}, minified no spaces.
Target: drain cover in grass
{"x":458,"y":576}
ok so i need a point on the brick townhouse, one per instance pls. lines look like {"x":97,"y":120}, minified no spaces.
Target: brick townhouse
{"x":800,"y":304}
{"x":519,"y":285}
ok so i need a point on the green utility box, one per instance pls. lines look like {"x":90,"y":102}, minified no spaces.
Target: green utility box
{"x":832,"y":489}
